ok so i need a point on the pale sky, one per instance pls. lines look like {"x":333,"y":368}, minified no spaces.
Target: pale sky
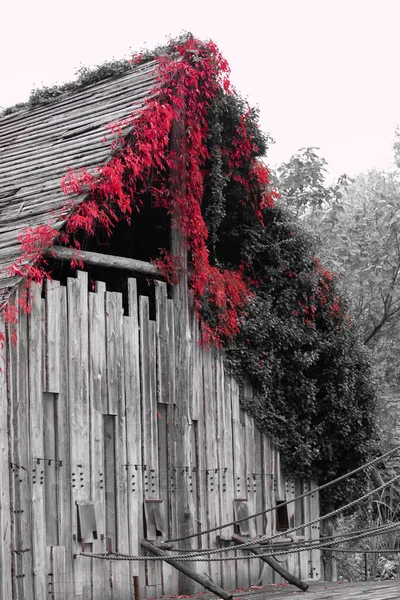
{"x":324,"y":73}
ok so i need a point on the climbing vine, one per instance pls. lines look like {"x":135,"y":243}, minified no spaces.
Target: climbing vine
{"x":259,"y":291}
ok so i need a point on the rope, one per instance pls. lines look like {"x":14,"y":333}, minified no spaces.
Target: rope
{"x":202,"y":558}
{"x":316,"y":520}
{"x":309,"y":493}
{"x":200,"y":555}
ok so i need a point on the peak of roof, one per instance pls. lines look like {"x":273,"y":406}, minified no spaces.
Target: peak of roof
{"x":39,"y":145}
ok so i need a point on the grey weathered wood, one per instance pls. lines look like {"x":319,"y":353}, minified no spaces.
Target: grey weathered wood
{"x":114,"y":316}
{"x":5,"y":529}
{"x":227,"y":491}
{"x":183,"y":387}
{"x":58,"y":570}
{"x":104,"y":260}
{"x":22,"y":458}
{"x":163,"y":343}
{"x":239,"y":466}
{"x":52,"y":336}
{"x":36,"y":442}
{"x":149,"y":424}
{"x":315,"y":530}
{"x":98,"y":406}
{"x":121,"y":570}
{"x":188,"y":572}
{"x":272,"y":563}
{"x":134,"y":431}
{"x":64,"y":442}
{"x":78,"y":384}
{"x":212,"y":466}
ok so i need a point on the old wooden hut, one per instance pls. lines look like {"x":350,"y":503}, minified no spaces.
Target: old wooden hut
{"x":115,"y":423}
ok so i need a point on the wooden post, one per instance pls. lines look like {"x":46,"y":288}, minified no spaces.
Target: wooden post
{"x":184,"y":504}
{"x":238,"y":539}
{"x":183,"y":568}
{"x":329,"y":561}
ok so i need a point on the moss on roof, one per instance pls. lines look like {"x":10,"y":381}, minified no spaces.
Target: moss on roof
{"x":90,"y":75}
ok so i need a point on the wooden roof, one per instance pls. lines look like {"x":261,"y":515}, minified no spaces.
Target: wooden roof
{"x":38,"y":146}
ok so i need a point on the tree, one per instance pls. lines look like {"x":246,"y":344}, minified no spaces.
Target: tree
{"x":357,"y":223}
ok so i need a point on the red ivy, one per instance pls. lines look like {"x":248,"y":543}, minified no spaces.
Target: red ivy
{"x":185,"y":90}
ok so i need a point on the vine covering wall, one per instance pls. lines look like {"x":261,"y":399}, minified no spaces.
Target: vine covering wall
{"x":257,"y":287}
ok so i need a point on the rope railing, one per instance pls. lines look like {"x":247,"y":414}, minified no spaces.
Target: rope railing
{"x":204,"y":555}
{"x":305,"y":495}
{"x":269,"y":553}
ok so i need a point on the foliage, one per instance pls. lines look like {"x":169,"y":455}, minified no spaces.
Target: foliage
{"x":358,"y":226}
{"x":256,"y":284}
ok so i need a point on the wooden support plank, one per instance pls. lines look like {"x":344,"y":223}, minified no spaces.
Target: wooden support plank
{"x":22,"y":458}
{"x":134,"y":432}
{"x":149,"y":425}
{"x":272,"y":563}
{"x":165,"y":367}
{"x":163,"y":343}
{"x":254,"y":567}
{"x":59,"y":578}
{"x":101,"y":570}
{"x":6,"y":588}
{"x":114,"y":312}
{"x":52,"y":347}
{"x":78,"y":385}
{"x":64,"y":454}
{"x":227,"y":487}
{"x":189,"y":572}
{"x":104,"y":260}
{"x":269,"y":498}
{"x":306,"y":571}
{"x":212,"y":483}
{"x":292,"y":561}
{"x":239,"y":466}
{"x":315,"y":531}
{"x":197,"y":378}
{"x":35,"y":324}
{"x":172,"y":348}
{"x":114,"y":315}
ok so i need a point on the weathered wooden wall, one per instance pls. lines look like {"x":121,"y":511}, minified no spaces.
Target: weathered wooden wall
{"x":116,"y":426}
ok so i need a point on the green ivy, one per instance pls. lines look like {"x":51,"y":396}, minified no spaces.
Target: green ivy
{"x":315,"y":392}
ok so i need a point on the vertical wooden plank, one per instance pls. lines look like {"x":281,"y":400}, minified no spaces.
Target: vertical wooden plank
{"x":36,"y":439}
{"x":172,"y":350}
{"x":116,"y":406}
{"x":5,"y":546}
{"x":149,"y":424}
{"x":212,"y":465}
{"x":78,"y":385}
{"x":197,"y":379}
{"x":163,"y":343}
{"x":22,"y":458}
{"x":315,"y":531}
{"x":227,"y":487}
{"x":254,"y":565}
{"x":64,"y":455}
{"x":305,"y":557}
{"x":240,"y":490}
{"x":101,"y":570}
{"x":52,"y":336}
{"x":114,"y":314}
{"x":292,"y":559}
{"x":60,"y":579}
{"x":183,"y":390}
{"x":134,"y":432}
{"x":269,"y":496}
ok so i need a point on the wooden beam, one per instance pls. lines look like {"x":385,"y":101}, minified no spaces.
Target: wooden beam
{"x":183,"y":568}
{"x":104,"y":260}
{"x":238,"y":539}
